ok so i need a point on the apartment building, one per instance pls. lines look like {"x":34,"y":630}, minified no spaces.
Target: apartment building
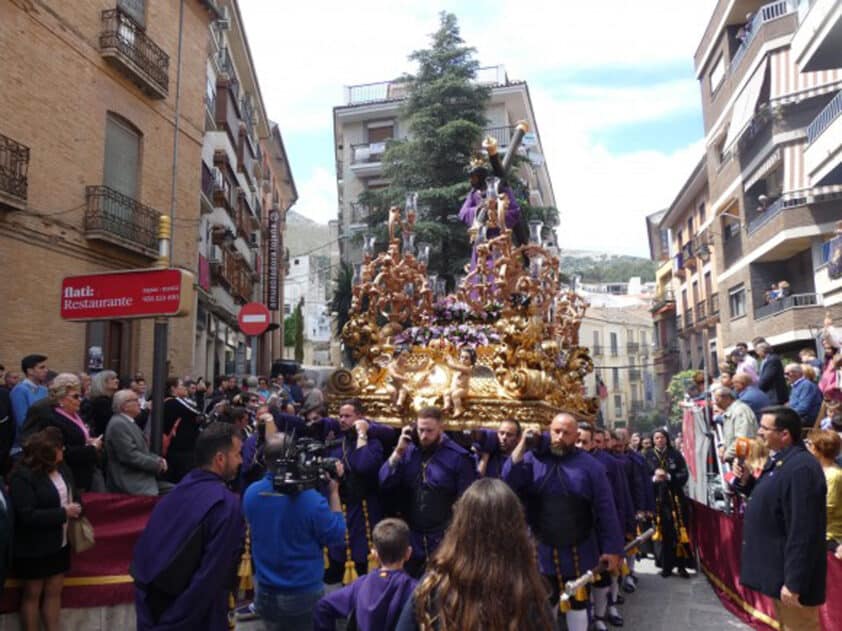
{"x":620,"y":340}
{"x":247,"y":187}
{"x":88,"y":113}
{"x":369,"y":118}
{"x":665,"y":347}
{"x":770,"y":105}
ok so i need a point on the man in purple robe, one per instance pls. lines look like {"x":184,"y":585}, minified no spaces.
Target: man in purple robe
{"x":433,"y":474}
{"x":495,"y":446}
{"x":574,"y":517}
{"x":362,"y":457}
{"x":185,"y":562}
{"x":376,"y":600}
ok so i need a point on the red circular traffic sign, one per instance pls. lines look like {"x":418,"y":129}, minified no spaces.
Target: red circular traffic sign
{"x":253,"y":318}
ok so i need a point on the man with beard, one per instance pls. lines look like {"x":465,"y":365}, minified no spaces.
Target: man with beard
{"x":362,"y":457}
{"x":434,"y":472}
{"x":495,"y":447}
{"x":622,"y":500}
{"x":185,"y":562}
{"x":574,"y":517}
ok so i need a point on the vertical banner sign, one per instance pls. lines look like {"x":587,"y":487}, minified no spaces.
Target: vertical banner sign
{"x":272,"y":268}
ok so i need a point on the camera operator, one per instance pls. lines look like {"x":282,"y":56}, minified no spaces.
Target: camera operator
{"x":433,"y":472}
{"x":288,"y":531}
{"x":362,"y":456}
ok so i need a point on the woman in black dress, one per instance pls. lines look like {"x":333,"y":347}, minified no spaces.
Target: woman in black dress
{"x":96,"y":410}
{"x":182,"y":423}
{"x":669,"y":475}
{"x":44,"y":501}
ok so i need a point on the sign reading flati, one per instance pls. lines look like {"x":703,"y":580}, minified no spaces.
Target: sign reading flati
{"x":129,"y":294}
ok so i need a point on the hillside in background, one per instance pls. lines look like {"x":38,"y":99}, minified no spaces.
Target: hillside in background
{"x":598,"y":267}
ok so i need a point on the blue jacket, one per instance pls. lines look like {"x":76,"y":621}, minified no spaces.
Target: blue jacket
{"x":756,"y":399}
{"x":23,"y":396}
{"x":288,"y":533}
{"x":806,"y":399}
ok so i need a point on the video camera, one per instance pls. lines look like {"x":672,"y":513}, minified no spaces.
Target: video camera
{"x":302,"y":465}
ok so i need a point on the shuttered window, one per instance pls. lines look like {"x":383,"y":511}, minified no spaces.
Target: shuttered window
{"x":136,"y":9}
{"x":122,"y":157}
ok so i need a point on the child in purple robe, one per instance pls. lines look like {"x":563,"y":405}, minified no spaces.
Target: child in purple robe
{"x":376,"y":599}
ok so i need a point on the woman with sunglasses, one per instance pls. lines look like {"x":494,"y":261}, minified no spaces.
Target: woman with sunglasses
{"x":81,"y":451}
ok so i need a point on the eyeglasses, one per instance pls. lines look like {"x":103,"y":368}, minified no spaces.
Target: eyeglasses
{"x":769,"y":429}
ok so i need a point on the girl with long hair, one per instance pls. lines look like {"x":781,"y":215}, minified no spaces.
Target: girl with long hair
{"x":484,"y":575}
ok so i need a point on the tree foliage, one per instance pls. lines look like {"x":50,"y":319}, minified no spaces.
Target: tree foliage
{"x":612,"y":269}
{"x":677,"y":389}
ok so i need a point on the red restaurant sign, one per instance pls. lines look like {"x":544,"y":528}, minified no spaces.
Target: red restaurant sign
{"x":131,"y":294}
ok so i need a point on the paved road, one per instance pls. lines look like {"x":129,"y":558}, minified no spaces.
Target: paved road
{"x":659,"y":605}
{"x":662,"y":604}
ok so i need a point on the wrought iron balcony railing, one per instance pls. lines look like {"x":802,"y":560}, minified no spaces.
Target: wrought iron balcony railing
{"x":795,"y":301}
{"x":766,"y":13}
{"x":713,"y":304}
{"x":116,"y":218}
{"x":633,"y":348}
{"x":125,"y":43}
{"x":830,"y":113}
{"x":14,"y":166}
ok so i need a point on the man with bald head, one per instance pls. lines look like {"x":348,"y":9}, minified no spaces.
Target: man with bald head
{"x":750,"y":394}
{"x":574,"y":518}
{"x":805,"y":396}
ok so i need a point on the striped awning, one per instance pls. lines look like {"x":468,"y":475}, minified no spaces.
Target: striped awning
{"x":795,"y":177}
{"x":789,"y":84}
{"x":745,"y":106}
{"x":763,"y":170}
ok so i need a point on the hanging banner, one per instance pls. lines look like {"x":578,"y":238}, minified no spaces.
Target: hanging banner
{"x":273,"y":265}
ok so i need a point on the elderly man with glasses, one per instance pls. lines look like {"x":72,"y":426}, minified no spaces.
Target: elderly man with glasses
{"x":805,"y":396}
{"x":132,"y":468}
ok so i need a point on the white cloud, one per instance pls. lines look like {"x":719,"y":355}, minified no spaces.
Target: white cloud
{"x":306,"y":52}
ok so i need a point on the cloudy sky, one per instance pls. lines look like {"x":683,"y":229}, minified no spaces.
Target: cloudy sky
{"x":616,"y":101}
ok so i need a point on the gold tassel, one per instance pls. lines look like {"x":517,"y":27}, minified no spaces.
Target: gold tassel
{"x":624,"y":569}
{"x":244,"y":570}
{"x":350,"y":573}
{"x":581,"y":594}
{"x":327,"y":558}
{"x":372,"y":561}
{"x":232,"y":606}
{"x":657,"y":536}
{"x":684,"y":537}
{"x":597,"y":577}
{"x":563,"y":605}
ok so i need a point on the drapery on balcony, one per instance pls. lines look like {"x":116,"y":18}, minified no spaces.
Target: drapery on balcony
{"x":14,"y":165}
{"x":118,"y":219}
{"x":125,"y":43}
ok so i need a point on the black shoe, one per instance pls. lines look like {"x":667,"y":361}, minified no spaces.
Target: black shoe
{"x":682,"y":572}
{"x":665,"y":574}
{"x":629,"y":585}
{"x":614,"y":621}
{"x":620,"y":599}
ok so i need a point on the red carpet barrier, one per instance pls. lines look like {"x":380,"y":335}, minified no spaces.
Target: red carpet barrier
{"x":100,"y":577}
{"x":718,"y":537}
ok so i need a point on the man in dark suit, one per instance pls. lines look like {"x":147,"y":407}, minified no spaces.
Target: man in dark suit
{"x":783,"y":552}
{"x":771,"y":379}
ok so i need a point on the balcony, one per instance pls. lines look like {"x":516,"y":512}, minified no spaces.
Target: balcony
{"x":224,"y":184}
{"x":688,"y":255}
{"x":817,"y":45}
{"x":823,"y":154}
{"x":663,"y":300}
{"x":615,"y":352}
{"x":632,"y":348}
{"x":688,"y":319}
{"x":247,"y":156}
{"x":765,"y":14}
{"x":228,"y":116}
{"x":124,"y":43}
{"x":795,"y":301}
{"x":117,"y":219}
{"x":597,"y":350}
{"x":713,"y":304}
{"x":367,"y":158}
{"x":384,"y":91}
{"x":230,"y":270}
{"x":679,"y":323}
{"x":701,"y":312}
{"x":503,"y":135}
{"x":206,"y":198}
{"x":14,"y":166}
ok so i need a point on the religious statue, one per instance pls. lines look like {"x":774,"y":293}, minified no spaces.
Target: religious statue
{"x":460,"y":381}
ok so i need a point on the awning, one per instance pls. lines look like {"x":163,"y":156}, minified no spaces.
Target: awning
{"x":789,"y":84}
{"x":763,"y":170}
{"x":745,"y":106}
{"x":795,"y":177}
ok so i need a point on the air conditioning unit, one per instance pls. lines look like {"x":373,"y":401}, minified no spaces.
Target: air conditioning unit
{"x":224,"y":23}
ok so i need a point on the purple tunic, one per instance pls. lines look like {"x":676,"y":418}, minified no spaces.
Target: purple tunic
{"x":468,"y":212}
{"x":449,"y":470}
{"x":200,"y":499}
{"x":619,"y":487}
{"x":643,"y":493}
{"x":376,"y":600}
{"x":585,"y":477}
{"x":363,"y":465}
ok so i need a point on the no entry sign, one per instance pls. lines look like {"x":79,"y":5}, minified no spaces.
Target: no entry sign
{"x":253,"y":318}
{"x":130,"y":294}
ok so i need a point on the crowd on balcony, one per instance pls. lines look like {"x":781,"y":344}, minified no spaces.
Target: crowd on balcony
{"x":777,"y":291}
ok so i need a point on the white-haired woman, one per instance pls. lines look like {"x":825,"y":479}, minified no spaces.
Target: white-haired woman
{"x":98,"y":411}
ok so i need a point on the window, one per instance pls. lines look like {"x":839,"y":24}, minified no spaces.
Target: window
{"x":614,"y":345}
{"x":380,"y":132}
{"x":615,"y":378}
{"x":680,"y":238}
{"x":737,"y":301}
{"x":618,"y":405}
{"x":701,"y":213}
{"x":717,"y":74}
{"x":665,"y":242}
{"x":135,"y":9}
{"x":643,"y":339}
{"x":629,"y":335}
{"x":690,"y":227}
{"x":122,"y":156}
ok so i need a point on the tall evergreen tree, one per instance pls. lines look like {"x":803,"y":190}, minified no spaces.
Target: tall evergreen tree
{"x":445,"y":116}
